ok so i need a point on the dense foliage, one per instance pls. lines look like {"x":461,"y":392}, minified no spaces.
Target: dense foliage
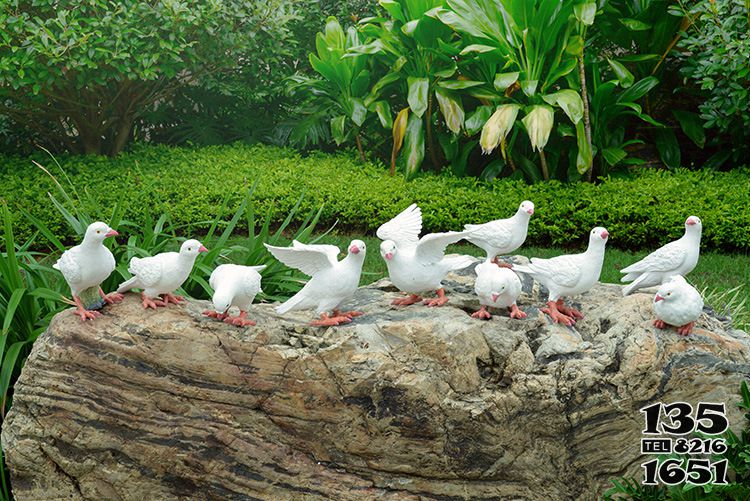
{"x":716,"y":58}
{"x":82,"y":74}
{"x":644,"y":210}
{"x":559,"y":89}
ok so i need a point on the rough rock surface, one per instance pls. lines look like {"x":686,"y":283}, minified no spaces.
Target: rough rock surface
{"x":411,"y":403}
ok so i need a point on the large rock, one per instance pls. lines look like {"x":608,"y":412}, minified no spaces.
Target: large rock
{"x":411,"y":403}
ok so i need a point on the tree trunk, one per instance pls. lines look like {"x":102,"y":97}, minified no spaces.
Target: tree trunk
{"x":545,"y":171}
{"x":122,"y":135}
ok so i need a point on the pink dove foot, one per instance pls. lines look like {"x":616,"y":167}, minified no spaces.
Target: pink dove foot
{"x":566,"y":310}
{"x":557,"y":316}
{"x":438,"y":301}
{"x":406,"y":301}
{"x":660,"y":324}
{"x":685,"y":330}
{"x":83,"y":312}
{"x":350,"y":314}
{"x":171,"y":298}
{"x":151,"y":303}
{"x":515,"y":312}
{"x":215,"y":314}
{"x":482,"y":314}
{"x":502,"y":264}
{"x":112,"y":297}
{"x":240,"y":321}
{"x":326,"y":321}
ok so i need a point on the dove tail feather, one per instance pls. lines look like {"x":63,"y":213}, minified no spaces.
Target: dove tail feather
{"x":523,"y":269}
{"x":637,"y":284}
{"x":629,"y":277}
{"x":128,"y":284}
{"x":290,"y":303}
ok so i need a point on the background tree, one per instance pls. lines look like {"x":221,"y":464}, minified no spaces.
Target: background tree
{"x":81,"y":73}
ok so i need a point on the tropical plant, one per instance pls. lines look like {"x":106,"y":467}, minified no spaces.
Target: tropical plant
{"x":612,"y":106}
{"x":638,"y":39}
{"x":421,"y":80}
{"x":714,"y":54}
{"x":528,"y":47}
{"x":81,"y":74}
{"x":339,"y":94}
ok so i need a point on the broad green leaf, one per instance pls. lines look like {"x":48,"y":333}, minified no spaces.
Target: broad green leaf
{"x":529,"y":87}
{"x":505,"y":80}
{"x":614,"y":155}
{"x":638,"y":90}
{"x":585,"y":12}
{"x":478,"y":48}
{"x":359,"y":112}
{"x":384,"y":114}
{"x":337,"y":129}
{"x":477,"y":119}
{"x":570,"y":102}
{"x":452,"y":111}
{"x":668,"y":147}
{"x":414,"y":144}
{"x":624,"y":76}
{"x":634,"y":24}
{"x":459,"y":84}
{"x":692,"y":125}
{"x":417,"y":98}
{"x":575,"y":45}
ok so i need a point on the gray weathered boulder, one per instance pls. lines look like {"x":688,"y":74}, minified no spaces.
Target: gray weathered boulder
{"x":411,"y":403}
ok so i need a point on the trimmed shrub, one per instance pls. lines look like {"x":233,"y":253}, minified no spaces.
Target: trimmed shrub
{"x":643,"y":211}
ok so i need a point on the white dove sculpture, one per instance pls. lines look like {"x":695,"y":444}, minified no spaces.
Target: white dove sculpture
{"x":331,"y":281}
{"x":234,"y":285}
{"x":85,"y":267}
{"x":675,"y":258}
{"x":568,"y":275}
{"x":497,"y":287}
{"x":677,"y":303}
{"x":503,"y":236}
{"x":162,"y":274}
{"x":418,"y":265}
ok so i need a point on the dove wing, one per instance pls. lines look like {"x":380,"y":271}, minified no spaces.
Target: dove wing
{"x":309,"y":259}
{"x":665,"y":258}
{"x":147,"y":269}
{"x":498,"y":233}
{"x":403,"y":229}
{"x":563,"y":270}
{"x":69,"y":265}
{"x":431,"y":247}
{"x":219,"y":274}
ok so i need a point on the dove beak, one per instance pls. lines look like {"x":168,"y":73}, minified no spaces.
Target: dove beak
{"x":658,"y":298}
{"x":690,"y":222}
{"x":111,"y":233}
{"x":530,"y":211}
{"x":495,"y":295}
{"x":605,"y":234}
{"x":389,"y":255}
{"x":202,"y":249}
{"x":354,"y":249}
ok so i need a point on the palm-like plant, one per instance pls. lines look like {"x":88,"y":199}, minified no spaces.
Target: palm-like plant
{"x":339,"y":94}
{"x":535,"y":45}
{"x":415,"y":49}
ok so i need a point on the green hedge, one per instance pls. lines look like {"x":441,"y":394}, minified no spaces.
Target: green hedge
{"x":640,"y":212}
